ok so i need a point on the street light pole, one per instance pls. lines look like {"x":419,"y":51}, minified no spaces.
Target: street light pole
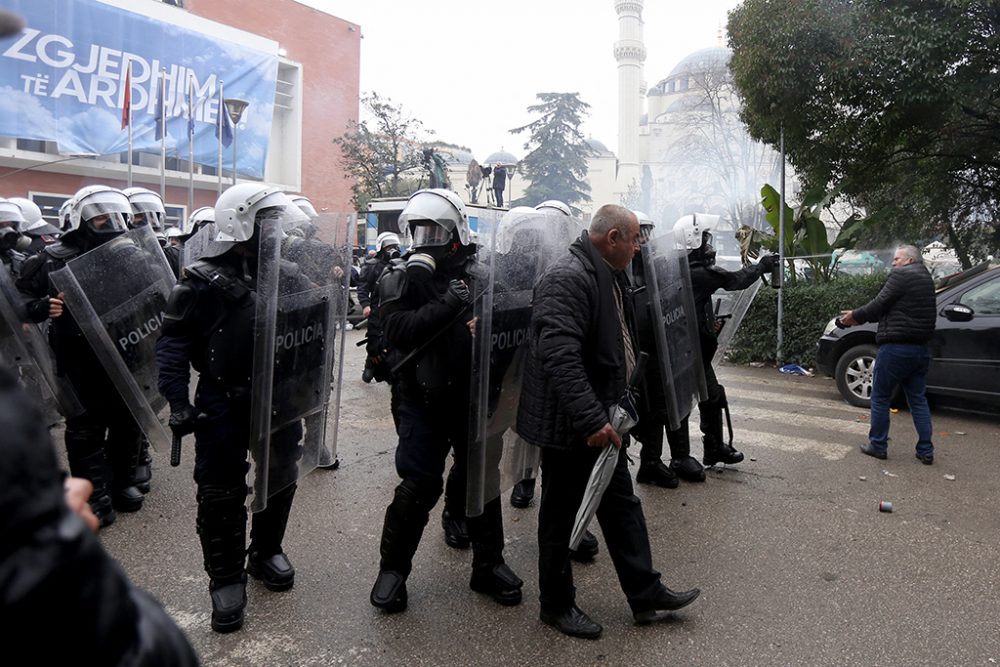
{"x":235,"y":107}
{"x":781,"y":251}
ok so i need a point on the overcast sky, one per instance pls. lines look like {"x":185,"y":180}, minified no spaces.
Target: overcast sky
{"x":469,"y":70}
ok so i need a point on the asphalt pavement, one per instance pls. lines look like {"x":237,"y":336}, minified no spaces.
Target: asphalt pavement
{"x":796,"y":563}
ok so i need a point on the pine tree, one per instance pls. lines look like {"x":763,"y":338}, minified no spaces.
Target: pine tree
{"x":557,"y":162}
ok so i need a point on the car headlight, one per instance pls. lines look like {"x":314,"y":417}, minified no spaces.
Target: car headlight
{"x":830,"y":326}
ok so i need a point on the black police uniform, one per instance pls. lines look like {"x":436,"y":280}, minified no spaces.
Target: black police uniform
{"x":102,"y":444}
{"x":706,"y":279}
{"x":208,"y":326}
{"x":433,"y":415}
{"x":653,"y":419}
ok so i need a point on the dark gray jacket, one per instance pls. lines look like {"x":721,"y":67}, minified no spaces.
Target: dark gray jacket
{"x":906,"y":308}
{"x":577,"y":365}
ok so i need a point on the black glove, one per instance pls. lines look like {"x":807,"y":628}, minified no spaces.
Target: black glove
{"x":458,"y":294}
{"x":182,"y":421}
{"x":766,"y":263}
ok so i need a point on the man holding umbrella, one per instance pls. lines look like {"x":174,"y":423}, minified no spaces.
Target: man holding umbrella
{"x":582,"y":340}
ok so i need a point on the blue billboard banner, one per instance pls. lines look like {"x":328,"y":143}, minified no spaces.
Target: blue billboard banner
{"x":63,"y":79}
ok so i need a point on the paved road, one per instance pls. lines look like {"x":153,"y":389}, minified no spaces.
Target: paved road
{"x":796,"y":564}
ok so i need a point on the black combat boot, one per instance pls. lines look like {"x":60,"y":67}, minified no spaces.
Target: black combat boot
{"x":657,"y":473}
{"x":453,"y":521}
{"x":682,"y":463}
{"x":405,"y":519}
{"x":522,"y":493}
{"x":490,"y":575}
{"x":144,"y":469}
{"x":222,"y":527}
{"x":716,"y":449}
{"x":86,"y":460}
{"x":588,"y":549}
{"x":123,"y":452}
{"x":267,"y":561}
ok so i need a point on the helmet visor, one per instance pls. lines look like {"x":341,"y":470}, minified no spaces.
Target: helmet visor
{"x":429,"y":233}
{"x":110,"y":211}
{"x":307,"y":208}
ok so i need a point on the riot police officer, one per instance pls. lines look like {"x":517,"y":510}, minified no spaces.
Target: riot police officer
{"x":207,"y":327}
{"x":102,"y":444}
{"x":696,"y":234}
{"x":147,"y":209}
{"x":40,"y":232}
{"x":652,"y":405}
{"x":424,"y":305}
{"x":386,"y":250}
{"x":13,"y":244}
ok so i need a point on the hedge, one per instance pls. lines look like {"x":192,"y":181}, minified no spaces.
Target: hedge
{"x":808,"y":308}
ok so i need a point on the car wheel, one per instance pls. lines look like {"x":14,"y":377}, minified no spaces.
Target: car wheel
{"x":854,"y":375}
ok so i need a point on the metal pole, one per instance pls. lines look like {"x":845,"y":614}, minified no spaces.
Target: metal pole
{"x":163,"y":134}
{"x":222,"y":110}
{"x":190,"y":145}
{"x":781,"y":251}
{"x":128,"y":78}
{"x":235,"y":132}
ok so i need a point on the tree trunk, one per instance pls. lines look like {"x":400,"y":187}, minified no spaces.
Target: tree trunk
{"x":956,"y":243}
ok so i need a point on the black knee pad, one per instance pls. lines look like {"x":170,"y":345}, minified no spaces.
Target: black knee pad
{"x":423,"y":495}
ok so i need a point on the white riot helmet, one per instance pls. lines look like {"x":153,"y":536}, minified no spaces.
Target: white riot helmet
{"x":32,"y":214}
{"x":691,"y":229}
{"x":11,"y":215}
{"x":193,"y":223}
{"x":237,"y":208}
{"x":305,"y":206}
{"x":646,"y":226}
{"x":95,"y":201}
{"x":386,"y":239}
{"x":554,"y":206}
{"x":517,"y":222}
{"x":64,"y":211}
{"x":147,"y":208}
{"x":443,"y":208}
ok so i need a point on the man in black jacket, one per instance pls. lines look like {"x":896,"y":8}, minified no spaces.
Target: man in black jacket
{"x":583,"y":344}
{"x":906,"y":310}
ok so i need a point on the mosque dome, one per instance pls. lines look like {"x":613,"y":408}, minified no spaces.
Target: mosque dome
{"x":702,"y":60}
{"x":598,"y":147}
{"x":503,"y":157}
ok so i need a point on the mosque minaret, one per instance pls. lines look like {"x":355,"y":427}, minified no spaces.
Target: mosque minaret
{"x":630,"y":52}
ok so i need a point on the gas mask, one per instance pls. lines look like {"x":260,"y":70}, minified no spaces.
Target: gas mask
{"x":11,"y":239}
{"x":420,"y":266}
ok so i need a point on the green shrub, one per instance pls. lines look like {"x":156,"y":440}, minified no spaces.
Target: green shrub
{"x":808,"y":308}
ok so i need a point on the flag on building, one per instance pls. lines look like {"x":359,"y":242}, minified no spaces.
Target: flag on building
{"x":224,"y":128}
{"x":190,"y":109}
{"x":127,"y":106}
{"x":160,"y":116}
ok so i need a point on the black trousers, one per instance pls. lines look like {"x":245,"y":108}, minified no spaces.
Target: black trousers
{"x":564,"y":478}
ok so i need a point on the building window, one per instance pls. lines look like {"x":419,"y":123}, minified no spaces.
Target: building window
{"x":50,"y":205}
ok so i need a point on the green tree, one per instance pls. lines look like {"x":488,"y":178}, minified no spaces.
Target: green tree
{"x":557,"y":162}
{"x":382,"y":153}
{"x":896,"y":104}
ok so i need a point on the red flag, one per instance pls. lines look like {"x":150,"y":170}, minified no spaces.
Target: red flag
{"x":126,"y":108}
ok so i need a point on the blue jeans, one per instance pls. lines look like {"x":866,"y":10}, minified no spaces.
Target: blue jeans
{"x":904,"y":365}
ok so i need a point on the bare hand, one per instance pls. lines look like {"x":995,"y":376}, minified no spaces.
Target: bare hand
{"x":472,"y":326}
{"x":56,"y":305}
{"x":77,"y":492}
{"x":607,"y":435}
{"x":717,"y":326}
{"x":847,"y":318}
{"x":367,"y":311}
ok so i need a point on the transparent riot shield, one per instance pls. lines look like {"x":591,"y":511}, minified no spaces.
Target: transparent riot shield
{"x":201,"y":244}
{"x":675,"y":325}
{"x":298,"y":329}
{"x":117,"y":293}
{"x":24,"y":349}
{"x":512,"y":256}
{"x":732,"y":317}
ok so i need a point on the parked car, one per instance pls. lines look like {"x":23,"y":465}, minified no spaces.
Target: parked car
{"x":965,"y":350}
